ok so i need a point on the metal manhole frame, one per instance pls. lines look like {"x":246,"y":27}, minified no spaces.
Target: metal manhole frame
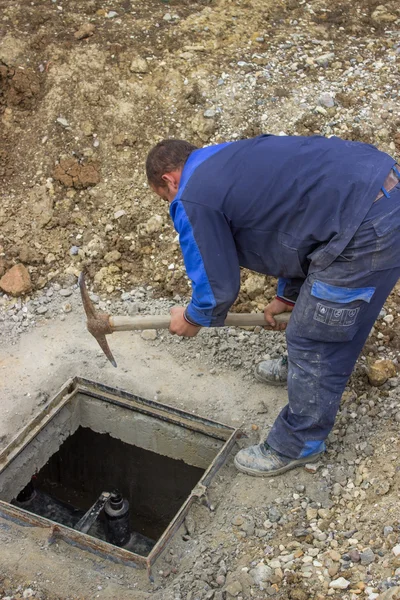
{"x":127,"y":400}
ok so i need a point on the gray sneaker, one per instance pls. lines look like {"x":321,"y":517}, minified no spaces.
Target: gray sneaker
{"x":263,"y":461}
{"x":273,"y":372}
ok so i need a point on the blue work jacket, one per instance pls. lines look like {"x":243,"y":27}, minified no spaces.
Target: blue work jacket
{"x":282,"y":206}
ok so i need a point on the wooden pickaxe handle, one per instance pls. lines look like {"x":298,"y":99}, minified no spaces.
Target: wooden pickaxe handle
{"x":163,"y":321}
{"x":100,"y":324}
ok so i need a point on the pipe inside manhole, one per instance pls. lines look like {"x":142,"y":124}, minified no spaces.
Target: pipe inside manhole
{"x":104,"y":463}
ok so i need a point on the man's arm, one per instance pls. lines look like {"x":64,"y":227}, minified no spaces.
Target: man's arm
{"x":211,"y":262}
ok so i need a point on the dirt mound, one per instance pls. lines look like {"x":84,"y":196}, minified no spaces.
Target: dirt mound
{"x":86,"y":88}
{"x":71,"y":173}
{"x":18,"y":87}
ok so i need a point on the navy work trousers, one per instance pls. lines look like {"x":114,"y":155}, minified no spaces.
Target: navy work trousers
{"x":330,"y":323}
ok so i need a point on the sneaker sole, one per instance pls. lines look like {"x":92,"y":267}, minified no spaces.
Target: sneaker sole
{"x":274,"y":382}
{"x":293,"y":465}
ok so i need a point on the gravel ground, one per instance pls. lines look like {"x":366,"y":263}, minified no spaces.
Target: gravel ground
{"x":330,"y":531}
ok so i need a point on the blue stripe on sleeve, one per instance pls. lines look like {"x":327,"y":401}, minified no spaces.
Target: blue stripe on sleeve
{"x":280,"y":291}
{"x":203,"y":301}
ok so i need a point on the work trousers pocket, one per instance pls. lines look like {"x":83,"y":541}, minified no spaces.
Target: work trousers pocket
{"x":329,"y":313}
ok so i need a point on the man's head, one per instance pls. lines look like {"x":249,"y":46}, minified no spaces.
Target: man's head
{"x":164,"y":166}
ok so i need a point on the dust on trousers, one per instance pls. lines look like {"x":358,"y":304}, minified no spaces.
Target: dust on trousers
{"x":330,"y":323}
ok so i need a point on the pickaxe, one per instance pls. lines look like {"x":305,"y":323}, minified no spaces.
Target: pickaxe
{"x":101,"y":324}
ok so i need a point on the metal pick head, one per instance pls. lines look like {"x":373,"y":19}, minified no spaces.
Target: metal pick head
{"x":98,"y":324}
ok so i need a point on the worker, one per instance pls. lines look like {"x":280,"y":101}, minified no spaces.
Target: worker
{"x":322,"y":215}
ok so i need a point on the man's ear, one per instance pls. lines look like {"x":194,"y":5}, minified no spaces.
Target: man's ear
{"x":173,"y":178}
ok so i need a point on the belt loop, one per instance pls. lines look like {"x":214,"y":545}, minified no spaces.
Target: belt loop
{"x":385,"y":192}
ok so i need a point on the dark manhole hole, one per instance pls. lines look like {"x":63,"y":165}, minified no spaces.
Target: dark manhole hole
{"x":101,"y":466}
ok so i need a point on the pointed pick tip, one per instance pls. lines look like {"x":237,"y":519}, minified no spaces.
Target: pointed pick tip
{"x":114,"y":364}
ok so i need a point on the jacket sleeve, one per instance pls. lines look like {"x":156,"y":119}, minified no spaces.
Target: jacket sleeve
{"x":288,"y":290}
{"x":211,"y":261}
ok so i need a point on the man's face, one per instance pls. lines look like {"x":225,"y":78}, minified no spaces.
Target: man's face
{"x":164,"y":192}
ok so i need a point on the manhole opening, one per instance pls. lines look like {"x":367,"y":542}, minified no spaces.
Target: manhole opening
{"x":89,"y":463}
{"x":113,"y":466}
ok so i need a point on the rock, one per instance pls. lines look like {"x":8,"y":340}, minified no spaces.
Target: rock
{"x":28,"y":593}
{"x":67,"y":308}
{"x":42,"y":208}
{"x":16,"y":281}
{"x":209,"y":113}
{"x":42,"y":310}
{"x":237,"y":521}
{"x":63,"y":122}
{"x":367,"y":557}
{"x":254,"y":285}
{"x":154,"y":224}
{"x":261,"y":574}
{"x":275,"y":564}
{"x":339,"y":584}
{"x":149,"y":334}
{"x":325,"y":59}
{"x":312,"y":467}
{"x":124,"y":139}
{"x":380,"y":371}
{"x":86,"y":30}
{"x":202,"y":127}
{"x":396,"y":550}
{"x":233,"y":589}
{"x":326,"y":100}
{"x":382,"y":15}
{"x":139,"y":65}
{"x":112,"y":256}
{"x":311,"y":513}
{"x":119,"y":213}
{"x":74,"y":250}
{"x":10,"y":50}
{"x":355,"y":556}
{"x":65,"y":292}
{"x":50,"y":258}
{"x":111,"y":14}
{"x":190,"y":523}
{"x":274,"y":515}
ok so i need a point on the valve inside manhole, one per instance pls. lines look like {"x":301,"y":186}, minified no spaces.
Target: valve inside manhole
{"x":109,"y":469}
